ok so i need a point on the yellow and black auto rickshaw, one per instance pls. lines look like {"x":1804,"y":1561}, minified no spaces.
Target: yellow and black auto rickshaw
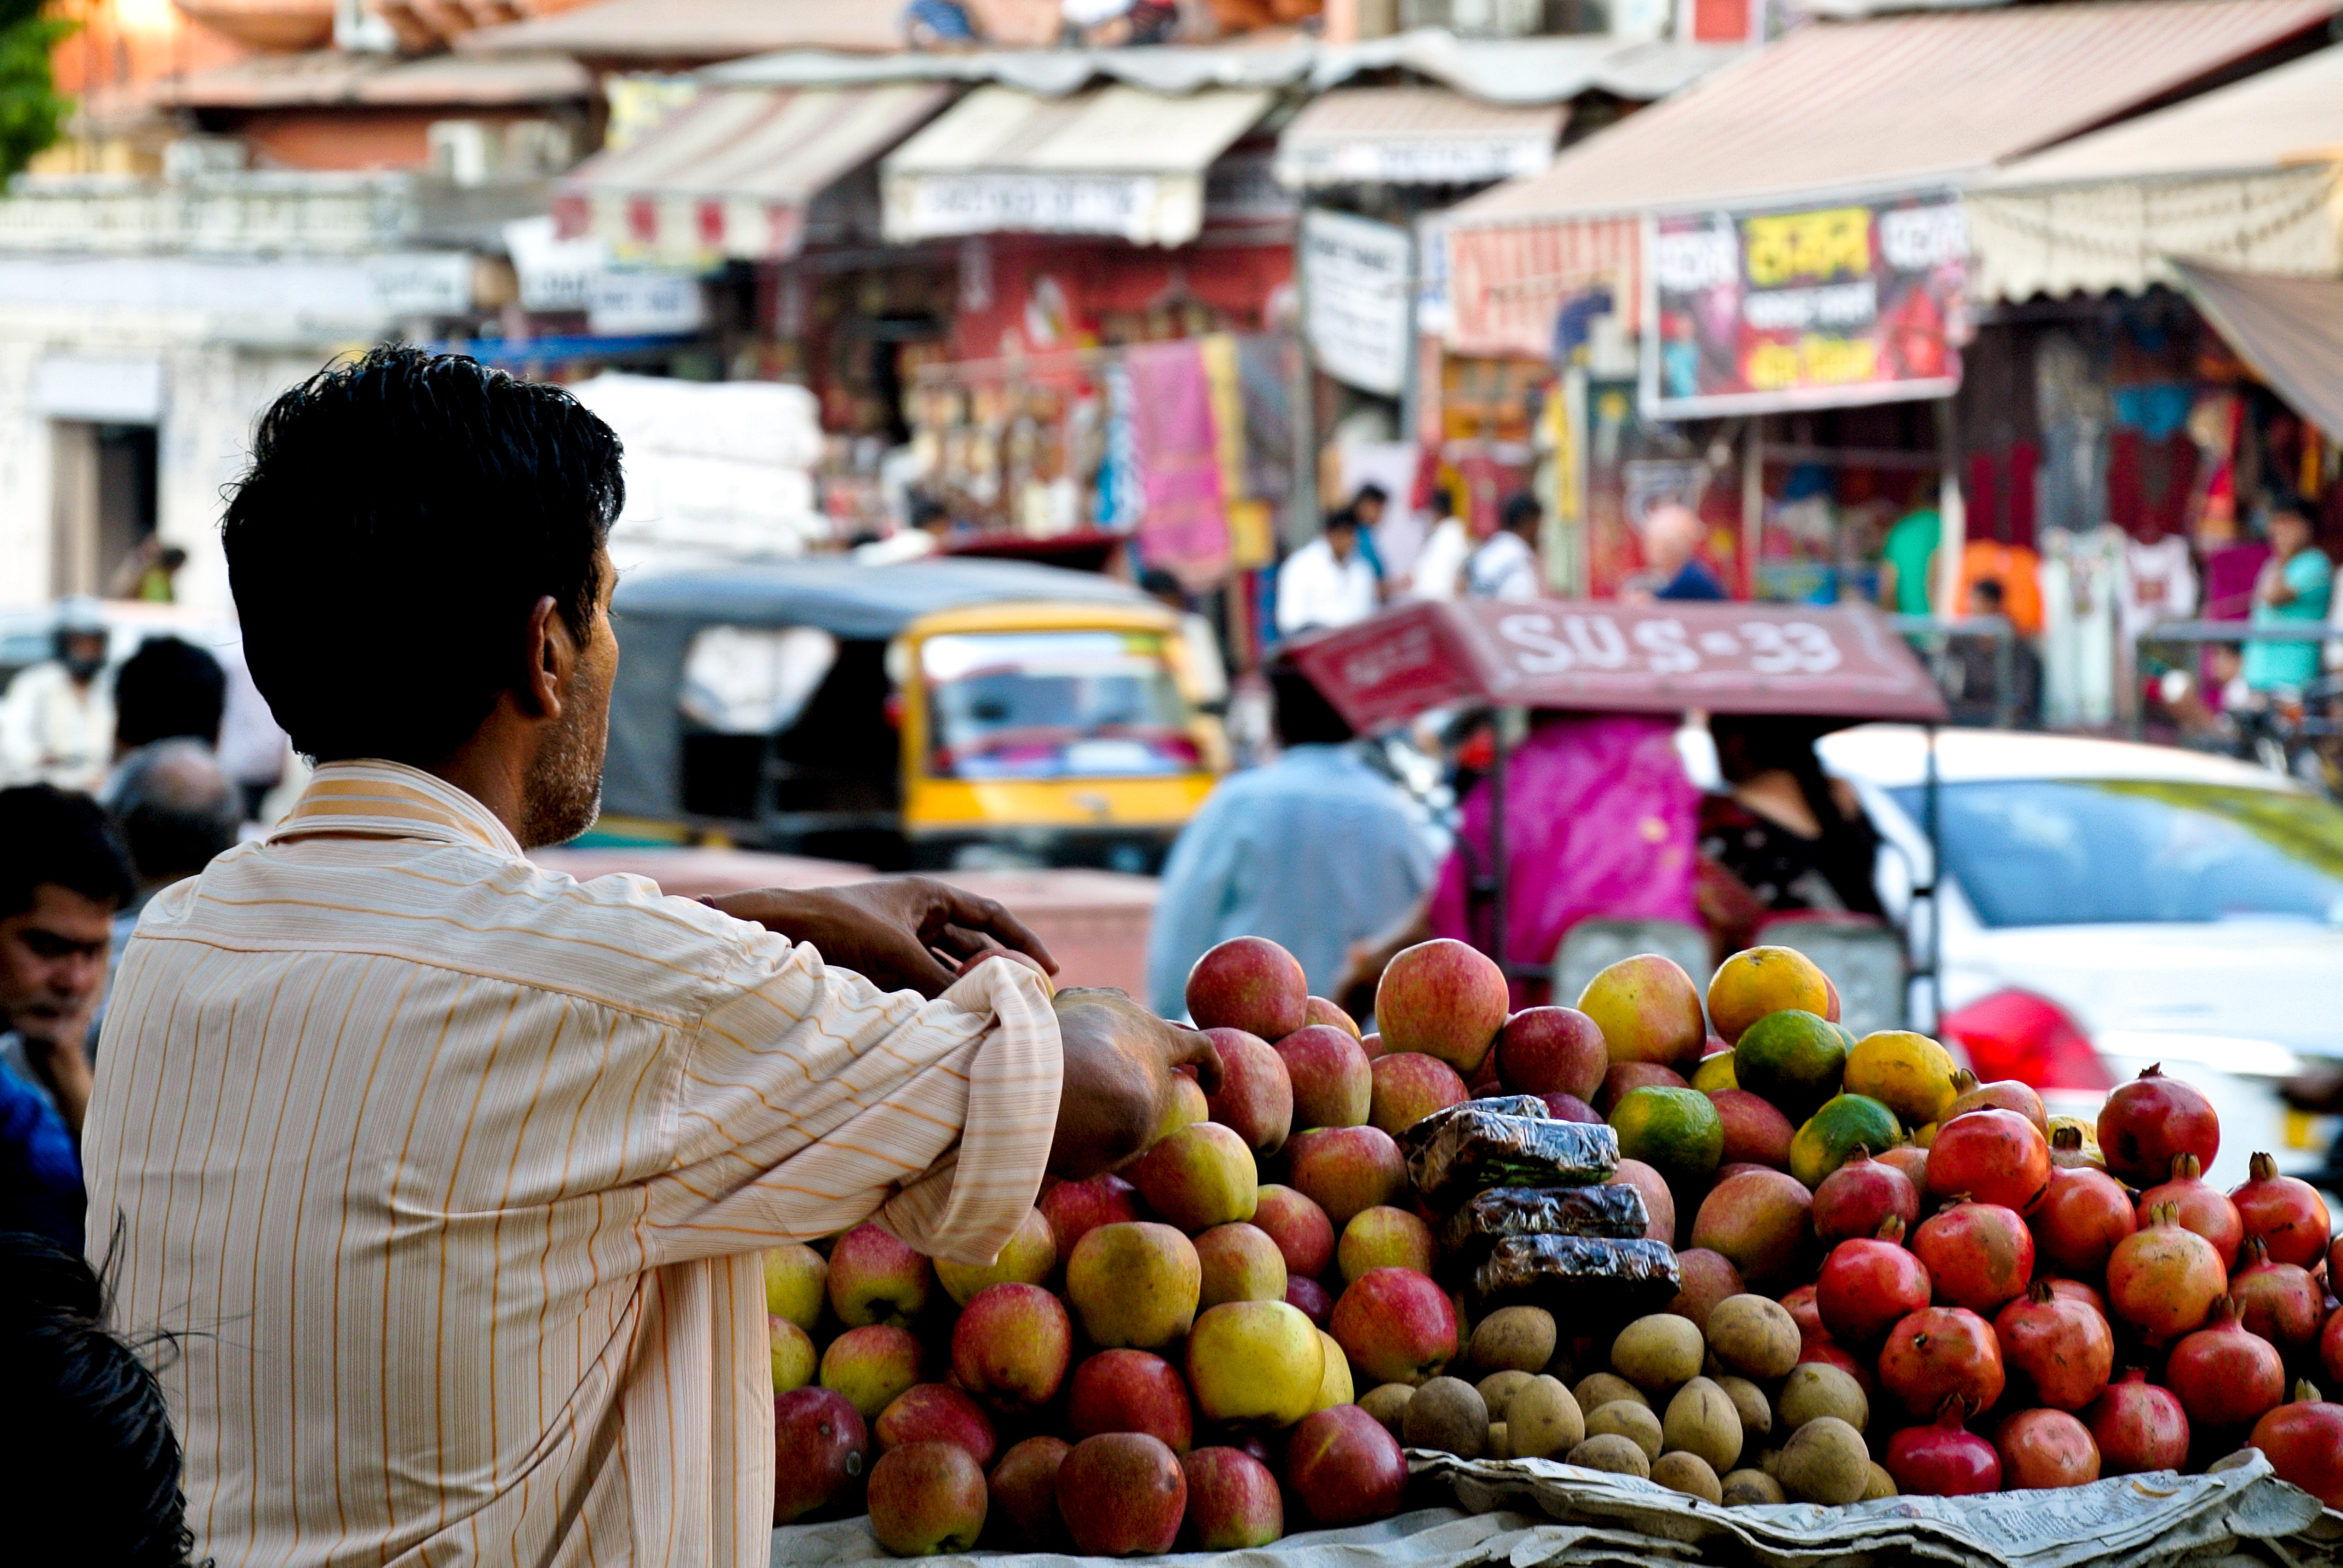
{"x":931,"y":714}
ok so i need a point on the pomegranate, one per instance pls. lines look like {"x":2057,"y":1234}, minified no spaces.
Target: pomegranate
{"x":1867,"y":1286}
{"x":1994,"y":1156}
{"x":2224,"y":1376}
{"x":2204,"y":1208}
{"x":2137,"y":1426}
{"x":1979,"y":1254}
{"x":2059,"y":1346}
{"x":1800,"y":1304}
{"x":2163,"y":1280}
{"x":1939,"y":1353}
{"x":2304,"y":1443}
{"x":2280,"y":1301}
{"x":2001,"y":1094}
{"x":2075,"y":1290}
{"x":1913,"y":1161}
{"x":1946,"y":1460}
{"x":2146,"y":1122}
{"x":2086,"y":1212}
{"x":2068,"y":1151}
{"x":1853,"y":1198}
{"x":2285,"y":1211}
{"x":2045,"y":1448}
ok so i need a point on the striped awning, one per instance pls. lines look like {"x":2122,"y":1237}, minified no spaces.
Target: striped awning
{"x":1414,"y":135}
{"x":731,"y":175}
{"x":1108,"y":161}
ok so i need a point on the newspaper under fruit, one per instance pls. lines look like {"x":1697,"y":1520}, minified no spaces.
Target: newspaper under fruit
{"x":1537,"y":1513}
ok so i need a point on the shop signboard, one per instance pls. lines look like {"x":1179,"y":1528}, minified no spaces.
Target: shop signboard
{"x":1018,"y":201}
{"x":1815,"y":306}
{"x":1358,"y":298}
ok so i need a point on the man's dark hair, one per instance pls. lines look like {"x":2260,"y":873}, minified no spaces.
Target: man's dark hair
{"x":1444,"y":501}
{"x":89,"y":1467}
{"x":1302,"y":715}
{"x":1161,"y":584}
{"x":168,"y":688}
{"x":1522,"y":511}
{"x":1346,"y":518}
{"x":177,"y":808}
{"x":1989,"y":589}
{"x":1371,"y":491}
{"x":49,"y":835}
{"x":402,"y":513}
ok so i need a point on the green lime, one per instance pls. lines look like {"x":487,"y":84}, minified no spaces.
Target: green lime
{"x":1833,"y":1133}
{"x":1793,"y":1058}
{"x":1676,"y":1131}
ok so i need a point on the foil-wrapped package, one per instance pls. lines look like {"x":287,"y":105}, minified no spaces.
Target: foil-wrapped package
{"x":1581,"y":1280}
{"x":1479,"y":1150}
{"x":1418,"y":1134}
{"x":1488,"y":1217}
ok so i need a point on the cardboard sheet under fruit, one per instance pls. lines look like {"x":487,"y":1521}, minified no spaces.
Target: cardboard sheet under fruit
{"x":1532,"y":1513}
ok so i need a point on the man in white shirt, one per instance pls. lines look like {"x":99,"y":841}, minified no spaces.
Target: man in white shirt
{"x":1506,"y":567}
{"x":1440,"y":567}
{"x":1326,"y":582}
{"x":56,"y":721}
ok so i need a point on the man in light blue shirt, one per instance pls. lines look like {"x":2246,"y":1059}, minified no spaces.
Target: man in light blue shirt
{"x":1315,"y":851}
{"x":2297,"y":584}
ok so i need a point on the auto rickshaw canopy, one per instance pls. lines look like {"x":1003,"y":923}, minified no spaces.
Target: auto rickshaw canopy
{"x":1838,"y":661}
{"x":656,"y":616}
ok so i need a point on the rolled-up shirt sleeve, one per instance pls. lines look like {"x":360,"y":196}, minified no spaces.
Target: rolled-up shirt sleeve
{"x":809,"y":1101}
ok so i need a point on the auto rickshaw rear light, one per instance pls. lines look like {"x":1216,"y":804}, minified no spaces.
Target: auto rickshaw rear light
{"x":2017,"y":1034}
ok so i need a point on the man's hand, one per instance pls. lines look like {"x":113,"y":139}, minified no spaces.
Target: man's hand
{"x":1118,"y":1082}
{"x":52,"y":1049}
{"x":898,"y":932}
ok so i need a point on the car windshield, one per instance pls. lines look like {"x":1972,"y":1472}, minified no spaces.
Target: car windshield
{"x":2098,"y":851}
{"x":1054,"y":705}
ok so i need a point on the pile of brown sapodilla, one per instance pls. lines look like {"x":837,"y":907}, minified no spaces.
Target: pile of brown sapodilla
{"x":1775,"y":1262}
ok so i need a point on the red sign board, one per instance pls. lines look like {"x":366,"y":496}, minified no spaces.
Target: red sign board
{"x":1599,"y":657}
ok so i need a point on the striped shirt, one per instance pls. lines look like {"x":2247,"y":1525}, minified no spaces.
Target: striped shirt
{"x":454,"y":1173}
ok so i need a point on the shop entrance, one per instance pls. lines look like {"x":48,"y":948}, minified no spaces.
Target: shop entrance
{"x":103,"y":480}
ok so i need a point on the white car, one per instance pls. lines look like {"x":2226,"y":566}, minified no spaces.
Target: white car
{"x":2178,"y":907}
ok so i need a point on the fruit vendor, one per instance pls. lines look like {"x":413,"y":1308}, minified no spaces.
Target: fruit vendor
{"x":453,"y":1174}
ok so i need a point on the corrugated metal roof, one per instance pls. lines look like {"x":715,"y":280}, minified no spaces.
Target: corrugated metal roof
{"x":1423,"y":135}
{"x":1901,"y":101}
{"x":733,"y":172}
{"x":1496,"y":70}
{"x":699,"y":30}
{"x":2290,"y":330}
{"x":331,"y":76}
{"x":2292,"y":114}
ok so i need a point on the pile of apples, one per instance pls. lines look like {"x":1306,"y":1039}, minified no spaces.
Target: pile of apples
{"x":1167,"y":1355}
{"x":1242,"y":1332}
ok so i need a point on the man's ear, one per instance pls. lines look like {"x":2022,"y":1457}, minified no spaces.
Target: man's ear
{"x":550,"y":658}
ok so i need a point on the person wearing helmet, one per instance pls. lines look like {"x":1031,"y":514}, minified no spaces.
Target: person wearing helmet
{"x":56,"y":720}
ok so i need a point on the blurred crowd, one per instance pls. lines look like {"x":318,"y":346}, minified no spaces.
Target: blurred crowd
{"x":1340,"y":577}
{"x":115,"y":780}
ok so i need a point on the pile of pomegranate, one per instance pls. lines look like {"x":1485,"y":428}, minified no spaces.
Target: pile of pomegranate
{"x":2090,"y":1311}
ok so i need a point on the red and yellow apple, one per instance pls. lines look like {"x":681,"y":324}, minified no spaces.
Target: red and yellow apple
{"x":1134,"y":1286}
